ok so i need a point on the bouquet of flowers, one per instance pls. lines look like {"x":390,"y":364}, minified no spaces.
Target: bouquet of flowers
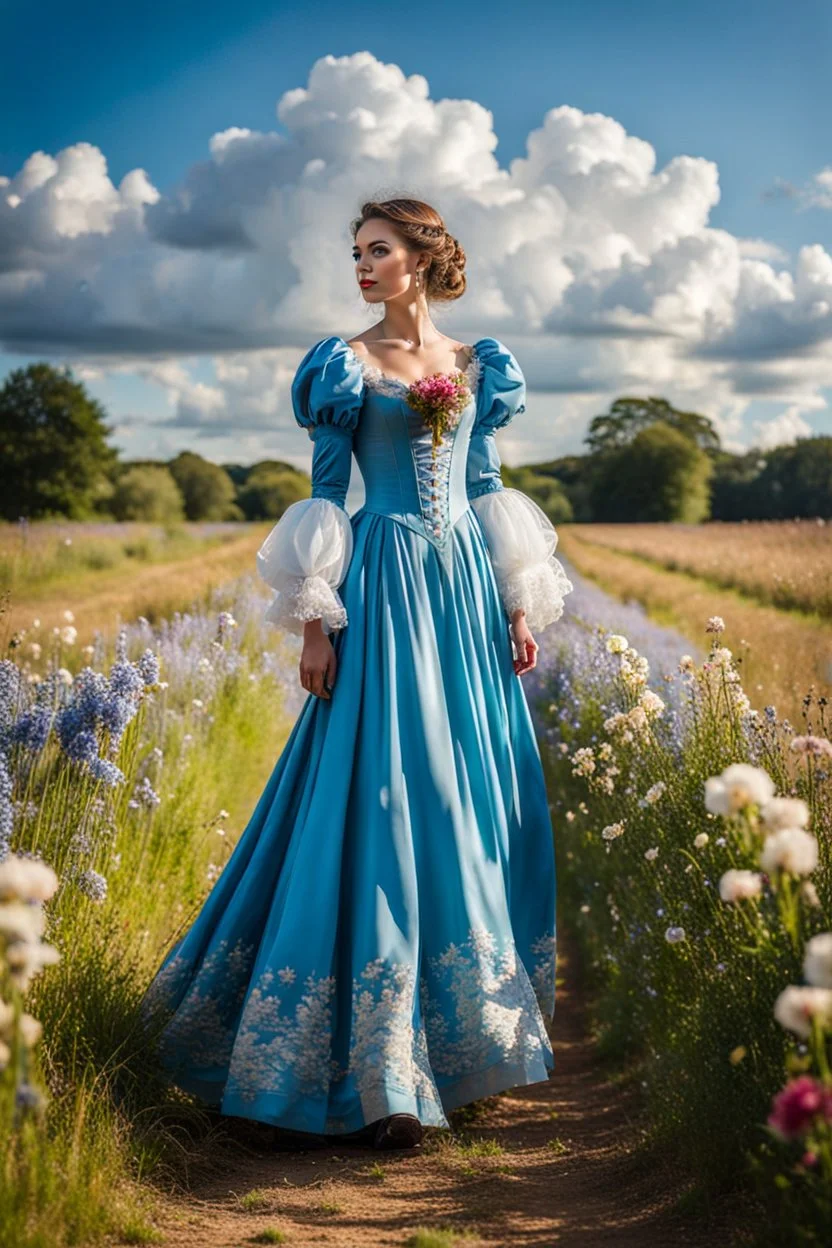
{"x":440,"y":399}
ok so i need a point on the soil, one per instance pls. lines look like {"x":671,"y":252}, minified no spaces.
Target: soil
{"x":551,"y":1165}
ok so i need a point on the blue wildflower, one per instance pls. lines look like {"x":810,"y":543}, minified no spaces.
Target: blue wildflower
{"x":92,"y":884}
{"x":148,"y":667}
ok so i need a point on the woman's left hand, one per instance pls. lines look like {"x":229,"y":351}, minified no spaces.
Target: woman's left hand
{"x":524,"y":644}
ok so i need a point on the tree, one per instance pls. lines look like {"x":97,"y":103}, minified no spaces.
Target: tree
{"x":53,"y":446}
{"x":207,"y":489}
{"x":628,"y":416}
{"x":545,"y":490}
{"x":147,"y":492}
{"x":270,"y":490}
{"x":660,"y":475}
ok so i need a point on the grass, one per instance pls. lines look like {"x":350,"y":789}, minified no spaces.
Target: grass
{"x":783,"y":652}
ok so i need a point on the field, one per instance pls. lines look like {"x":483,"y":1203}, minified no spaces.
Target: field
{"x":134,"y":781}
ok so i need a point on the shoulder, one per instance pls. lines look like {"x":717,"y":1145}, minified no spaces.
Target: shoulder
{"x":328,"y":384}
{"x":502,"y":384}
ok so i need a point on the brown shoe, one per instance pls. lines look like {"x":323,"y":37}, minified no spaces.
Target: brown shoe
{"x":398,"y":1131}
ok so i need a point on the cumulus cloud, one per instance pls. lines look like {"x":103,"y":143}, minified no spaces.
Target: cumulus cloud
{"x":597,"y":265}
{"x":782,"y":430}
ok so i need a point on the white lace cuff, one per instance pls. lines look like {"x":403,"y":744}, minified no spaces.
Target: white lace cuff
{"x":521,"y":541}
{"x":305,"y":558}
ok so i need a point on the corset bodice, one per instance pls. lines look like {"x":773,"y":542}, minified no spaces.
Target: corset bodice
{"x":393,"y":449}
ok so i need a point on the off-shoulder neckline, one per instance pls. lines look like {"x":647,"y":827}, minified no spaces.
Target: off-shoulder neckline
{"x":371,"y":372}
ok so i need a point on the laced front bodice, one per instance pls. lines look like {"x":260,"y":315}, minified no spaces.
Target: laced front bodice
{"x":393,"y":447}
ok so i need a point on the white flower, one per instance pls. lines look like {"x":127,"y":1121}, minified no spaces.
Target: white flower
{"x":740,"y":885}
{"x":35,"y":650}
{"x":612,"y":831}
{"x":651,"y":703}
{"x":784,"y":812}
{"x":810,"y":893}
{"x":791,"y":850}
{"x":817,"y":960}
{"x":21,"y":922}
{"x":715,"y":624}
{"x":674,"y":934}
{"x":701,"y":840}
{"x":69,"y":635}
{"x":686,"y":664}
{"x":818,"y":746}
{"x":651,"y":854}
{"x":616,"y":644}
{"x":721,"y":656}
{"x":64,"y":676}
{"x":796,"y":1006}
{"x":654,"y":792}
{"x":738,"y":786}
{"x":26,"y":879}
{"x":30,"y":1030}
{"x":69,"y":617}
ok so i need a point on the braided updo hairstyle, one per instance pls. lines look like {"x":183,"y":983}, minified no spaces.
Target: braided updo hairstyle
{"x":422,"y":229}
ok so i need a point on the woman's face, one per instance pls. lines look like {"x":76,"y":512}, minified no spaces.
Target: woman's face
{"x":384,"y":268}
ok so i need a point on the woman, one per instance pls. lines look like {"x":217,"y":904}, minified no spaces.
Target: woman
{"x":380,"y":947}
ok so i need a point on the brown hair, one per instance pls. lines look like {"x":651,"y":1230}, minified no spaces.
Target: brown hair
{"x":422,"y":229}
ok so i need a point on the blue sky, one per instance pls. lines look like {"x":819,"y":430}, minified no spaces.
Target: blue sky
{"x":744,"y":85}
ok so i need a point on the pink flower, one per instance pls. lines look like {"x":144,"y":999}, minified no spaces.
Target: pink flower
{"x":818,"y":746}
{"x":441,"y":400}
{"x":800,"y":1102}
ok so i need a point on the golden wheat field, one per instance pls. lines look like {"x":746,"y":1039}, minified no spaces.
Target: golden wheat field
{"x":674,"y":572}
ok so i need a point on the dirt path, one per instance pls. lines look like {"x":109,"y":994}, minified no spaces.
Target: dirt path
{"x":553,"y":1165}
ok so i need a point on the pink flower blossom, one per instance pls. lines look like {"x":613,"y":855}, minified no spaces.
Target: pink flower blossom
{"x":812,"y":745}
{"x":796,"y":1107}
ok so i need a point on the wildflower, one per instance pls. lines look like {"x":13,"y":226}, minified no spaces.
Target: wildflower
{"x":651,"y":703}
{"x":583,"y":762}
{"x":784,"y":812}
{"x":616,"y":644}
{"x":701,"y":840}
{"x":797,"y":1006}
{"x":69,"y":635}
{"x":144,"y":795}
{"x":655,"y":792}
{"x":791,"y":850}
{"x":687,"y":665}
{"x":612,"y":831}
{"x":35,"y":650}
{"x":674,"y":935}
{"x":817,"y":960}
{"x":800,"y":1103}
{"x":26,"y":879}
{"x":740,"y":885}
{"x":715,"y":624}
{"x":69,"y":617}
{"x":810,"y":893}
{"x":92,"y":885}
{"x":817,"y":746}
{"x":740,"y":785}
{"x":148,"y":667}
{"x":651,"y":854}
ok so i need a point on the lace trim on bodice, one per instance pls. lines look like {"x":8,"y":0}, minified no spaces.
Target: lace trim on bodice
{"x":378,"y":380}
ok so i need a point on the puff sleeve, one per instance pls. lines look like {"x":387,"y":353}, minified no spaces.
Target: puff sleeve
{"x":306,"y":555}
{"x":521,"y":538}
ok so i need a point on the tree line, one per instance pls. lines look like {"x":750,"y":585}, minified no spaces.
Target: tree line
{"x":645,"y":461}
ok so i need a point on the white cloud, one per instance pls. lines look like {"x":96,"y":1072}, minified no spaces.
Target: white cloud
{"x":781,"y":430}
{"x":598,"y":267}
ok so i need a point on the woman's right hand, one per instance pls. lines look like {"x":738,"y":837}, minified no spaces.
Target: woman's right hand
{"x":318,"y":663}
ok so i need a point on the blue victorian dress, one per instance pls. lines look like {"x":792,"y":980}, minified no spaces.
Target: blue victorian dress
{"x":382,"y":938}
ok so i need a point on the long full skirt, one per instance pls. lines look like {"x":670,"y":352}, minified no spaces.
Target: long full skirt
{"x":382,"y":938}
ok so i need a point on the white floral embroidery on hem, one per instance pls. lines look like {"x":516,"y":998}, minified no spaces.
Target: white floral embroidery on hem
{"x":478,"y":1009}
